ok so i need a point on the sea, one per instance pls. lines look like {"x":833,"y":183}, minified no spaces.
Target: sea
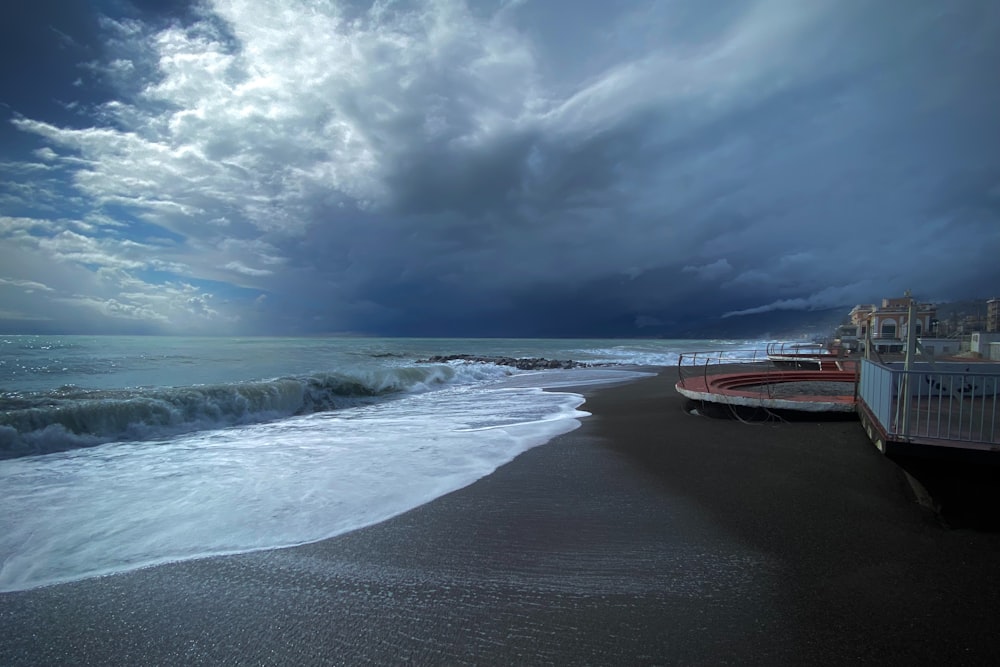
{"x":118,"y":453}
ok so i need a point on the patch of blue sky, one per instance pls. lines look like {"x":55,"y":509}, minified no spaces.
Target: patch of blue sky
{"x":27,"y":193}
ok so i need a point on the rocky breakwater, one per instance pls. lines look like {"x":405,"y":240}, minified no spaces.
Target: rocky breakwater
{"x":524,"y":364}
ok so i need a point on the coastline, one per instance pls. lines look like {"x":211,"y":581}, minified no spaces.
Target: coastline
{"x":646,"y":536}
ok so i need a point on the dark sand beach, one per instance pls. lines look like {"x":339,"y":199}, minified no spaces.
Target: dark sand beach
{"x":647,"y":536}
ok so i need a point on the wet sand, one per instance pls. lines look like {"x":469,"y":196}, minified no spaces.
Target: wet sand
{"x":647,"y":536}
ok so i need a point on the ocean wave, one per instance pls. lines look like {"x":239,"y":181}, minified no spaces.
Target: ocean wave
{"x":632,"y":356}
{"x":70,"y":417}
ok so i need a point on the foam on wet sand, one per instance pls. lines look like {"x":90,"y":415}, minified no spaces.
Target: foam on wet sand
{"x":647,"y":536}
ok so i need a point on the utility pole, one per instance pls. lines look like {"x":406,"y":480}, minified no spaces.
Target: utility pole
{"x":911,"y":352}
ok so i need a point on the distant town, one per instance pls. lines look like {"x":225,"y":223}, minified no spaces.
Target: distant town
{"x":968,"y":328}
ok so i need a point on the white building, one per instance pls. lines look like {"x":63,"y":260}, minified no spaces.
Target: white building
{"x":889,"y":324}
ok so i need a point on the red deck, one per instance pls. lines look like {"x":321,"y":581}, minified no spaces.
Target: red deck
{"x":757,"y":389}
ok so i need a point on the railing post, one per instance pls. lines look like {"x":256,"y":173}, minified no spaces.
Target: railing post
{"x":911,"y":351}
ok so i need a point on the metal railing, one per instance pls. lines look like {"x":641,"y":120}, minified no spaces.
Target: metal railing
{"x":935,"y":402}
{"x":755,"y":376}
{"x":690,"y":364}
{"x":797,"y":349}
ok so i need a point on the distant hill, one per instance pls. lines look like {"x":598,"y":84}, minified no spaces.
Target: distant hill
{"x":776,"y":324}
{"x":962,"y":308}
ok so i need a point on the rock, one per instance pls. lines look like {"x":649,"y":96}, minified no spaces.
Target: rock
{"x":524,"y":364}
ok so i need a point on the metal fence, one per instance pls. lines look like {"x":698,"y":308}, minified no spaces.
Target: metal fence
{"x":940,"y":402}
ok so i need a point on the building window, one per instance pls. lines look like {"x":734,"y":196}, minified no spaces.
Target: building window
{"x":889,"y":330}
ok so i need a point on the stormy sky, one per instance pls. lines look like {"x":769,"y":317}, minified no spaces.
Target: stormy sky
{"x":507,"y":168}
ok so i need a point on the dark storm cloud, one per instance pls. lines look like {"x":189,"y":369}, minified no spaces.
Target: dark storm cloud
{"x":518,"y":168}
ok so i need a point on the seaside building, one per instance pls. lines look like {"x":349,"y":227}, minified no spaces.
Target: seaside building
{"x":993,"y":316}
{"x":888,"y":324}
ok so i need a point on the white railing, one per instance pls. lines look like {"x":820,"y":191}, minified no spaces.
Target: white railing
{"x":940,"y":401}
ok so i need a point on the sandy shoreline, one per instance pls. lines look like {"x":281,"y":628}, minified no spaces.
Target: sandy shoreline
{"x":647,"y":536}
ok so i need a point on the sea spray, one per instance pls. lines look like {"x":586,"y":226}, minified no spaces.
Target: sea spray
{"x":68,"y":418}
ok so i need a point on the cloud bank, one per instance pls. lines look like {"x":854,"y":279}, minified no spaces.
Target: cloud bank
{"x":508,"y":168}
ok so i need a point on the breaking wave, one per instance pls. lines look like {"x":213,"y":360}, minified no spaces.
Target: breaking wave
{"x":71,"y":417}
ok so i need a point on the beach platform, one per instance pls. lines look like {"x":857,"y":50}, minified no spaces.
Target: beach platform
{"x":831,"y":390}
{"x":948,"y":408}
{"x":938,"y":409}
{"x":809,"y":356}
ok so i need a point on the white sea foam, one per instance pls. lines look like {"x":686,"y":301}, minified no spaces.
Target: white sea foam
{"x":655,"y":353}
{"x":268,"y":452}
{"x":70,"y":417}
{"x":120,"y":506}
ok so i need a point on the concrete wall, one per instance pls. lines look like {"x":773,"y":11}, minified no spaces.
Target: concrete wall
{"x":940,"y":347}
{"x":981,"y":342}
